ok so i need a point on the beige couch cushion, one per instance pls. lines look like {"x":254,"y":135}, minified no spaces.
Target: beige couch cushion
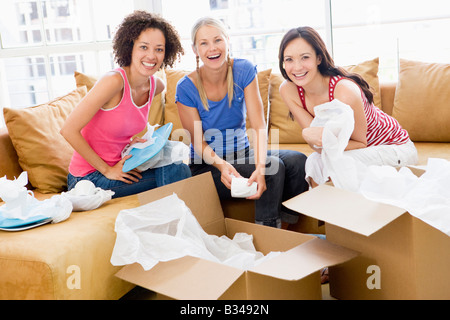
{"x":369,"y":71}
{"x":170,"y":107}
{"x":42,"y":150}
{"x":422,"y":100}
{"x":282,"y":128}
{"x":285,"y":130}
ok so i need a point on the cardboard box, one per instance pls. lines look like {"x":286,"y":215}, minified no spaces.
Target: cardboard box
{"x":402,"y":257}
{"x":294,"y":274}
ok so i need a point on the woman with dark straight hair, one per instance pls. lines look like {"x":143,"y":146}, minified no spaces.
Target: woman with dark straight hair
{"x":312,"y":79}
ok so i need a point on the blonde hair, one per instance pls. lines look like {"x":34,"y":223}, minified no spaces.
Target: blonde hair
{"x":208,"y":21}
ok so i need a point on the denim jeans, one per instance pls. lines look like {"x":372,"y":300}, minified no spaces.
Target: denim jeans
{"x":285,"y":178}
{"x":151,"y":178}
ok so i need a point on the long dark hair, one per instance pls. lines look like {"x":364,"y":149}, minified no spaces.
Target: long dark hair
{"x":327,"y":66}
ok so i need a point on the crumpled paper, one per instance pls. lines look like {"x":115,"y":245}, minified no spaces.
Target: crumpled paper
{"x":20,"y":203}
{"x":241,"y":189}
{"x":172,"y":152}
{"x":426,"y":197}
{"x":85,"y":196}
{"x":337,"y":120}
{"x":141,"y":145}
{"x":166,"y":229}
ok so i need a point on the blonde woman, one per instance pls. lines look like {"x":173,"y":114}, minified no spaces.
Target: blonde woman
{"x":213,"y":102}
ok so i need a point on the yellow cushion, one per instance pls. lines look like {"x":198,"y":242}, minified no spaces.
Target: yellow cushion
{"x":285,"y":130}
{"x":282,"y":128}
{"x":263,"y":84}
{"x":421,"y":102}
{"x":170,"y":107}
{"x":369,"y":71}
{"x":82,"y":79}
{"x":156,"y":115}
{"x":41,"y":149}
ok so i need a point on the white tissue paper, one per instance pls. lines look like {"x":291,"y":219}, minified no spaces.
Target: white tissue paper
{"x":21,"y":204}
{"x":166,"y":229}
{"x":426,"y":197}
{"x":337,"y":120}
{"x":141,"y":145}
{"x":172,"y":152}
{"x":85,"y":196}
{"x":241,"y":189}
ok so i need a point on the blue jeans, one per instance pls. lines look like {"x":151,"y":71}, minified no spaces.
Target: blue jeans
{"x":151,"y":178}
{"x":285,"y":178}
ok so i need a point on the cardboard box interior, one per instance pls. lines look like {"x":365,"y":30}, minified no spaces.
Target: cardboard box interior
{"x":294,"y":274}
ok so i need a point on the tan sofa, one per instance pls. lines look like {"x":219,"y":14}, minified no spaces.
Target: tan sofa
{"x":71,"y":259}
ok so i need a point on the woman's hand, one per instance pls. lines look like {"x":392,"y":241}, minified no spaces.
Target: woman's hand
{"x":227,"y":174}
{"x":136,"y":140}
{"x":313,"y":136}
{"x":115,"y":172}
{"x":258,"y":176}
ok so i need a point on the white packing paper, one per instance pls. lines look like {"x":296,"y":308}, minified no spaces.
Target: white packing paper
{"x":426,"y":197}
{"x":141,"y":145}
{"x":166,"y":229}
{"x":172,"y":152}
{"x":86,"y":196}
{"x":20,"y":203}
{"x":241,"y":189}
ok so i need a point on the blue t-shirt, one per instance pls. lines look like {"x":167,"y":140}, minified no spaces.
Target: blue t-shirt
{"x":223,"y":126}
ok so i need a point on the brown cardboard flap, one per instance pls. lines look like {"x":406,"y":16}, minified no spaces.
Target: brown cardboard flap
{"x":187,"y":278}
{"x":305,"y":259}
{"x":345,"y":209}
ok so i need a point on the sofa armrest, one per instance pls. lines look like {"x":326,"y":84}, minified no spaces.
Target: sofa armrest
{"x":9,"y":161}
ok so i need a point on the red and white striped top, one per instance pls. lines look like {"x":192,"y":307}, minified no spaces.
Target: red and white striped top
{"x":382,"y":129}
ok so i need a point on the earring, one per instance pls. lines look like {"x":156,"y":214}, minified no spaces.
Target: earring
{"x":284,"y":65}
{"x":198,"y":62}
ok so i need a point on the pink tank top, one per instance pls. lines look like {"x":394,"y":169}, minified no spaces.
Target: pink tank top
{"x":110,"y":130}
{"x":382,"y":129}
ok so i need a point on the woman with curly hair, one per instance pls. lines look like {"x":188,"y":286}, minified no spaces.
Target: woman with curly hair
{"x":117,"y":108}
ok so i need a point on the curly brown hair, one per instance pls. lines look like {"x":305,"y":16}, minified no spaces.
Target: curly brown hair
{"x":130,"y":29}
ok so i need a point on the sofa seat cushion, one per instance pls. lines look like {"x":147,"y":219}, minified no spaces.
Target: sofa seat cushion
{"x":428,"y":150}
{"x":67,"y":260}
{"x":425,"y":150}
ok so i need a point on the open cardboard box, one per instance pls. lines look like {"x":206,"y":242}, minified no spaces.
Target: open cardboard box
{"x":401,"y":257}
{"x":294,"y":274}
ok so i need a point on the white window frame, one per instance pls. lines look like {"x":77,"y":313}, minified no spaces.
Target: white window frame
{"x":46,"y":50}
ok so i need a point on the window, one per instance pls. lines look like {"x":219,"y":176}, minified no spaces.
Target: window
{"x":256,"y":26}
{"x":390,"y":29}
{"x":44,"y":41}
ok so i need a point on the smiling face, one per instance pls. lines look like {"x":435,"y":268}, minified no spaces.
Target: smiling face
{"x":301,"y":62}
{"x":148,"y":52}
{"x":211,"y":46}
